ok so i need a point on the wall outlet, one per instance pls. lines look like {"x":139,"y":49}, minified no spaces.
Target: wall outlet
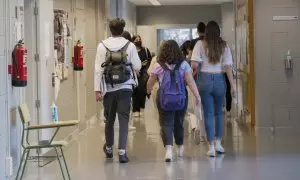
{"x":8,"y":166}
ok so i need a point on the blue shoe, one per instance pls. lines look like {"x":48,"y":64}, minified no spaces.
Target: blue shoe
{"x":123,"y":157}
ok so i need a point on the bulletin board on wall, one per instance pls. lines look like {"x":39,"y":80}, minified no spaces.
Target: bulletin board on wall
{"x":62,"y":43}
{"x":242,"y":60}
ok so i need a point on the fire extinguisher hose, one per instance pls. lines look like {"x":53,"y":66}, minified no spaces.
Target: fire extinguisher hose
{"x":14,"y":62}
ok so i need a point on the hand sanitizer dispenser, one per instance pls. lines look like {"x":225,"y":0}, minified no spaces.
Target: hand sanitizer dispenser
{"x":54,"y":113}
{"x":288,"y":61}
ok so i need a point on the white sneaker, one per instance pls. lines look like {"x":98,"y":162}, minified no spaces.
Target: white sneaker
{"x":142,"y":112}
{"x":136,"y":114}
{"x":228,"y":115}
{"x":169,"y":153}
{"x":212,"y":151}
{"x":180,"y":151}
{"x":219,"y":148}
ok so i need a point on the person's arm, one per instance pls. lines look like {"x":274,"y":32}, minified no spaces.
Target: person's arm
{"x":196,"y":58}
{"x":227,"y":61}
{"x":149,"y":54}
{"x":98,"y":71}
{"x":153,"y":61}
{"x":151,"y":81}
{"x":135,"y":59}
{"x":189,"y":79}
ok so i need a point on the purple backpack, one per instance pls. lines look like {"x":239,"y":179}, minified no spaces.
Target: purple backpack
{"x":172,"y":89}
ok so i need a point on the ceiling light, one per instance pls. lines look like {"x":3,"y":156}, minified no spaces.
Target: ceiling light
{"x":155,"y":2}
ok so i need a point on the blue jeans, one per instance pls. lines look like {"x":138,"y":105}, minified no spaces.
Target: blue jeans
{"x":212,"y":89}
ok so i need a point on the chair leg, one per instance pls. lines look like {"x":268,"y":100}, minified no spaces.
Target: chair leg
{"x":60,"y":165}
{"x":25,"y":163}
{"x":66,"y":166}
{"x":21,"y":164}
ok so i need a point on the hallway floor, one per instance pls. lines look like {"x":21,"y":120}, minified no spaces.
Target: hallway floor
{"x":250,"y":156}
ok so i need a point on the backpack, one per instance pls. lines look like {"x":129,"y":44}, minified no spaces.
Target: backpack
{"x":116,"y":68}
{"x":172,"y":89}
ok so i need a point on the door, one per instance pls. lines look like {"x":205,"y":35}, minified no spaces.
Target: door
{"x":284,"y":84}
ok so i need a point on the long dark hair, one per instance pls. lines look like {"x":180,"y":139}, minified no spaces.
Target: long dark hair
{"x":135,"y":37}
{"x":186,"y":47}
{"x":215,"y":45}
{"x":170,"y":53}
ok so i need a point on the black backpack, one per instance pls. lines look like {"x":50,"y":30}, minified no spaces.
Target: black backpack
{"x":116,"y":68}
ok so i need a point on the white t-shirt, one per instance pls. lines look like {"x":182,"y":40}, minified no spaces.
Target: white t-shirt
{"x":200,"y":56}
{"x":115,"y":44}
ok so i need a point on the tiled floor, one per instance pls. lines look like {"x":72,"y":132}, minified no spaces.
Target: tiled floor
{"x":250,"y":156}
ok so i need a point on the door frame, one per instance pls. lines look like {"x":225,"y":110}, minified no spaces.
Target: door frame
{"x":249,"y":70}
{"x":251,"y":55}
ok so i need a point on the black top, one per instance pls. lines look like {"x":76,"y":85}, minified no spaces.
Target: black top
{"x":145,"y":55}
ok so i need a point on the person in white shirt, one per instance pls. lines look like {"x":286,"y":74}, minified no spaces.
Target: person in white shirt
{"x":117,"y":96}
{"x":214,"y":56}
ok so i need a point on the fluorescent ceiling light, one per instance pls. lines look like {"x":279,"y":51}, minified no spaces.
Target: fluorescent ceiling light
{"x":155,"y":2}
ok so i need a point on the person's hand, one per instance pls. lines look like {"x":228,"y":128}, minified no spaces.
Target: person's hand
{"x":99,"y":96}
{"x":137,"y":73}
{"x":195,"y":73}
{"x":144,"y":63}
{"x":198,"y":100}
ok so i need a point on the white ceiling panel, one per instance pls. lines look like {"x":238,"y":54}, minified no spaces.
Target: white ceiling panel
{"x":179,"y":2}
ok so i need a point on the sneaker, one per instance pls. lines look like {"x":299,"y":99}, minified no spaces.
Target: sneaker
{"x":219,"y":148}
{"x":180,"y":151}
{"x":108,"y":151}
{"x":123,"y":156}
{"x":212,"y":151}
{"x":142,"y":112}
{"x":169,"y":153}
{"x":228,"y":114}
{"x":136,"y":114}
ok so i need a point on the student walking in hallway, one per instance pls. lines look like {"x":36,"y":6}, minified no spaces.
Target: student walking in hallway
{"x":116,"y":62}
{"x":214,"y":57}
{"x":139,"y":94}
{"x":173,"y":73}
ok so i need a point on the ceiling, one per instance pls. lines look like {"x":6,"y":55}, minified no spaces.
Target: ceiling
{"x":178,"y":2}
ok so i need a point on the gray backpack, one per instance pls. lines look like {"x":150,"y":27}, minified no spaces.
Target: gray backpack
{"x":116,"y":68}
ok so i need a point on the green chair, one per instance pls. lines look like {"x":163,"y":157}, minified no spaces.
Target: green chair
{"x":27,"y":146}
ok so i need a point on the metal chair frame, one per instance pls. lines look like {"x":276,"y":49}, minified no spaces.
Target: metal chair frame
{"x":27,"y":147}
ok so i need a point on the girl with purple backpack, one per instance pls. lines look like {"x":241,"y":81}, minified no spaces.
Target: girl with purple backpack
{"x":173,"y":73}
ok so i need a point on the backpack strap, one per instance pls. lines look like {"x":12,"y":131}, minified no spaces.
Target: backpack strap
{"x":124,"y":49}
{"x":164,"y":66}
{"x":146,"y":50}
{"x":177,"y":66}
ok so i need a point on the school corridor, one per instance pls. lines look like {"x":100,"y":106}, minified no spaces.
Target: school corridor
{"x":53,"y":54}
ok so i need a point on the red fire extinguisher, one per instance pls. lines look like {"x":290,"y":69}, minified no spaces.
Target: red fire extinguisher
{"x":19,"y":65}
{"x":78,"y":57}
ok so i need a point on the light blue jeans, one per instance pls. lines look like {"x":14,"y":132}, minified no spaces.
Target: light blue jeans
{"x":212,"y":88}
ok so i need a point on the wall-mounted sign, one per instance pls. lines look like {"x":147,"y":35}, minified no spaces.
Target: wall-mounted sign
{"x":285,"y":18}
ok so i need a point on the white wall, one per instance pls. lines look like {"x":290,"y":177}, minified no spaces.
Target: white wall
{"x":129,"y":15}
{"x":149,"y":15}
{"x":227,"y":11}
{"x":10,"y":33}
